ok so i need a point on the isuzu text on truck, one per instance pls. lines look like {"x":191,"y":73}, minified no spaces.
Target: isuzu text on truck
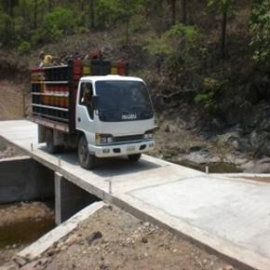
{"x":91,"y":106}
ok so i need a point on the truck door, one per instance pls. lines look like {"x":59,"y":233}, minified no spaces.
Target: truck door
{"x":84,"y":110}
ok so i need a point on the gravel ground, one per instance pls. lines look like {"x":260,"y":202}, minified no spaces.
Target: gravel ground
{"x":113,"y":239}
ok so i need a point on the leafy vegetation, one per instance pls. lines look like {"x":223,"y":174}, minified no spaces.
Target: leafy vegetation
{"x":205,"y":47}
{"x":260,"y":28}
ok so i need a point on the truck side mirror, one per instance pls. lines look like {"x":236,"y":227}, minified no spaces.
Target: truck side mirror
{"x":95,"y":102}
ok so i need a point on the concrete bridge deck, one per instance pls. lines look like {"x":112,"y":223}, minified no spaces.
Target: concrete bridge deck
{"x":229,"y":215}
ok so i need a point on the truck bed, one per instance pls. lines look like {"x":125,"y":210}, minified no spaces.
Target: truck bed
{"x":54,"y":90}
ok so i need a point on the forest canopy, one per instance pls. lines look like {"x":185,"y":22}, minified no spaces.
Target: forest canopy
{"x":204,"y":46}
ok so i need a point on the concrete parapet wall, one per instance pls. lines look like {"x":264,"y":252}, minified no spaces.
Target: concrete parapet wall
{"x":23,"y":179}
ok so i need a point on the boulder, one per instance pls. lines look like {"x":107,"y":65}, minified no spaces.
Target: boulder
{"x":260,"y":166}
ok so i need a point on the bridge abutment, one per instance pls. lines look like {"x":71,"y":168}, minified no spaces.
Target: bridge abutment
{"x":69,"y":198}
{"x":23,"y":179}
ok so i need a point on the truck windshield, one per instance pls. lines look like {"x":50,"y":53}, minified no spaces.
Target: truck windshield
{"x":123,"y":101}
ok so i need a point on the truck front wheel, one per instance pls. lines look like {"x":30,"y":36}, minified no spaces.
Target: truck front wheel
{"x":134,"y":157}
{"x":86,"y":160}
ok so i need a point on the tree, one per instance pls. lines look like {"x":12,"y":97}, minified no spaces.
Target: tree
{"x":175,"y":47}
{"x":92,"y":14}
{"x":8,"y":18}
{"x":172,"y":4}
{"x":9,"y":6}
{"x":260,"y":29}
{"x":110,"y":12}
{"x":184,"y":11}
{"x":224,"y":7}
{"x":59,"y":22}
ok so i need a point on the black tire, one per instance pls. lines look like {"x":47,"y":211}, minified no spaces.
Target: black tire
{"x":51,"y":147}
{"x":134,"y":157}
{"x":86,"y":160}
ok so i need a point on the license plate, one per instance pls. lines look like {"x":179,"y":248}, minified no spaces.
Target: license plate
{"x":130,"y":149}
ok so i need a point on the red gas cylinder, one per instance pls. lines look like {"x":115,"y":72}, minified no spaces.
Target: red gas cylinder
{"x":77,"y":69}
{"x":122,"y":67}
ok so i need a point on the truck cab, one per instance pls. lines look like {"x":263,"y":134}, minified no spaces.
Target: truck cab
{"x":115,"y":119}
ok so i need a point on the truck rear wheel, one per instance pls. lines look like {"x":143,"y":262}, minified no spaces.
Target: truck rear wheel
{"x":87,"y":160}
{"x":134,"y":157}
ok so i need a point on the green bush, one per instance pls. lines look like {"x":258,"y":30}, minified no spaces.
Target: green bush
{"x":24,"y":47}
{"x":38,"y":36}
{"x":210,"y":84}
{"x":175,"y":47}
{"x":207,"y":98}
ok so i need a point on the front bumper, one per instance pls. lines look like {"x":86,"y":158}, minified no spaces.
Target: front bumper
{"x":121,"y":149}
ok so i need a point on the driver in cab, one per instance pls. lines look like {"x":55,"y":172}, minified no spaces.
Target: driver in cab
{"x":87,"y":94}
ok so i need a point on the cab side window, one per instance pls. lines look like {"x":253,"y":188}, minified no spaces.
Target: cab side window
{"x":86,"y":94}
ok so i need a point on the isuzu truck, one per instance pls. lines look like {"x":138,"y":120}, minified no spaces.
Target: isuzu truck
{"x":94,"y":107}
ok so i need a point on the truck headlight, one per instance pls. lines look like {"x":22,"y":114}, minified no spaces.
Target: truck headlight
{"x":103,"y":138}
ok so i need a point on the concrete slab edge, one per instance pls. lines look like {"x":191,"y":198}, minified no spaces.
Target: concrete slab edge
{"x":26,"y":157}
{"x":237,"y":256}
{"x":46,"y":241}
{"x":233,"y":175}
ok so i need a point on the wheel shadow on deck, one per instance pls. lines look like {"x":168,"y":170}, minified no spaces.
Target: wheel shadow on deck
{"x":108,"y":167}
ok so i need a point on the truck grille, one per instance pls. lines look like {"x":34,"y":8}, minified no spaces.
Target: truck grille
{"x":128,"y":138}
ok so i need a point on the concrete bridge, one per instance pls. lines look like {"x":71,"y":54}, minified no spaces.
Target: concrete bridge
{"x":229,"y":214}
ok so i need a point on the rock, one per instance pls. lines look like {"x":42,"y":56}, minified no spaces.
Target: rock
{"x":72,"y":239}
{"x":230,"y":138}
{"x":201,"y":157}
{"x":259,"y":138}
{"x":43,"y":261}
{"x":53,"y":251}
{"x":9,"y":266}
{"x":196,"y":148}
{"x":181,"y":123}
{"x":104,"y":266}
{"x":260,"y":166}
{"x":30,"y":266}
{"x":228,"y":267}
{"x":20,"y":261}
{"x":92,"y":237}
{"x":144,"y":240}
{"x":236,"y":110}
{"x":167,"y":128}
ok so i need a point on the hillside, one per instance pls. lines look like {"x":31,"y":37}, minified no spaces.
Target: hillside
{"x":208,"y":91}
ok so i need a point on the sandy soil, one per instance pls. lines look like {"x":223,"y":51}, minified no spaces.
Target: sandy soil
{"x":12,"y":101}
{"x":113,"y":239}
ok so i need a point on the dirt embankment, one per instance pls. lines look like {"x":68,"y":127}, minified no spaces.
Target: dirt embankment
{"x":113,"y":239}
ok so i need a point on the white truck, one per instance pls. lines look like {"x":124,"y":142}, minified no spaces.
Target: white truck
{"x":78,"y":106}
